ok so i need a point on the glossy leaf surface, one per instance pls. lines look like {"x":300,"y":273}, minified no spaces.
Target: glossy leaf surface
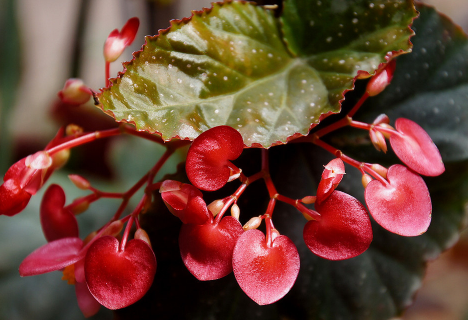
{"x":230,"y":66}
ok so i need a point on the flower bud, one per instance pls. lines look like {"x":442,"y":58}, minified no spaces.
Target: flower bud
{"x":216,"y":206}
{"x":142,"y":235}
{"x":75,"y":92}
{"x":113,"y":229}
{"x":274,"y":234}
{"x":365,"y":180}
{"x":387,"y":126}
{"x":73,"y":130}
{"x":309,"y":199}
{"x":79,"y":208}
{"x":117,"y":41}
{"x":79,"y":181}
{"x":253,"y":223}
{"x":378,"y":140}
{"x":381,"y":79}
{"x":235,"y":211}
{"x":381,"y":170}
{"x":381,"y":118}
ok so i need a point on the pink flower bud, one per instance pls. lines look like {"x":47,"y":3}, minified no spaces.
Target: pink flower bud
{"x":79,"y":181}
{"x":381,"y":79}
{"x":117,"y":41}
{"x":378,"y":140}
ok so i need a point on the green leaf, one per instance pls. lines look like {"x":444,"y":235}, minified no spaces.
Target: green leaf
{"x":229,"y":66}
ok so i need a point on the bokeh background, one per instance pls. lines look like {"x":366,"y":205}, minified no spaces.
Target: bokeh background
{"x":43,"y":43}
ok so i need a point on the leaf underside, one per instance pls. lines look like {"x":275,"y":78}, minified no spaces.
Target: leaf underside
{"x":270,"y":78}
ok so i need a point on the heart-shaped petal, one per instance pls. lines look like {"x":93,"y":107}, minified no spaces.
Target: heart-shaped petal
{"x":415,"y":148}
{"x":344,"y":230}
{"x":402,"y":206}
{"x":208,"y":165}
{"x":118,"y":278}
{"x":265,"y":273}
{"x":52,"y":256}
{"x":207,"y":249}
{"x":56,"y":221}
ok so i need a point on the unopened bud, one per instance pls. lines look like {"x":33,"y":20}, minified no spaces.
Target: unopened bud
{"x":73,"y":130}
{"x":113,"y":229}
{"x":117,"y":41}
{"x":235,"y":211}
{"x":89,"y":237}
{"x":253,"y":223}
{"x":234,"y":174}
{"x":79,"y":208}
{"x":75,"y":92}
{"x":381,"y":170}
{"x":387,"y":126}
{"x":309,"y":199}
{"x":79,"y":181}
{"x":60,"y":158}
{"x":215,"y":207}
{"x":381,"y":118}
{"x":378,"y":140}
{"x":274,"y":234}
{"x":142,"y":235}
{"x":381,"y":79}
{"x":365,"y":180}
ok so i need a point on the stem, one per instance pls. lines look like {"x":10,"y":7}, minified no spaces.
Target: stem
{"x":107,"y":73}
{"x":359,"y":165}
{"x":154,"y":171}
{"x":358,"y":105}
{"x":84,"y":139}
{"x":266,"y":175}
{"x":126,"y":233}
{"x":232,"y":199}
{"x":268,"y":221}
{"x":141,"y":134}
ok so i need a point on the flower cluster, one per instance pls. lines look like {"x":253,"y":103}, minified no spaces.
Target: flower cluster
{"x":115,"y":265}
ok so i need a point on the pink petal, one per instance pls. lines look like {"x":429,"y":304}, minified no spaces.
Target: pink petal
{"x":88,"y":305}
{"x":52,"y":256}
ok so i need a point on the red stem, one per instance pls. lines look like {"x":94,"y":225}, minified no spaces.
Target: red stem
{"x":107,"y":72}
{"x":84,"y":139}
{"x":126,"y":233}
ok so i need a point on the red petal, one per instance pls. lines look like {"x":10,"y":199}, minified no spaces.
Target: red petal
{"x":117,"y":278}
{"x":208,"y":158}
{"x":130,"y":30}
{"x":13,"y":199}
{"x":52,"y":256}
{"x":185,"y":202}
{"x":415,"y":148}
{"x":404,"y":205}
{"x":265,"y":273}
{"x":331,"y":177}
{"x":207,"y":249}
{"x":344,"y":230}
{"x":88,"y":305}
{"x":57,"y":222}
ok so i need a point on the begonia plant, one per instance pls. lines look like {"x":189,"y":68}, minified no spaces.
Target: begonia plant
{"x":287,"y":190}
